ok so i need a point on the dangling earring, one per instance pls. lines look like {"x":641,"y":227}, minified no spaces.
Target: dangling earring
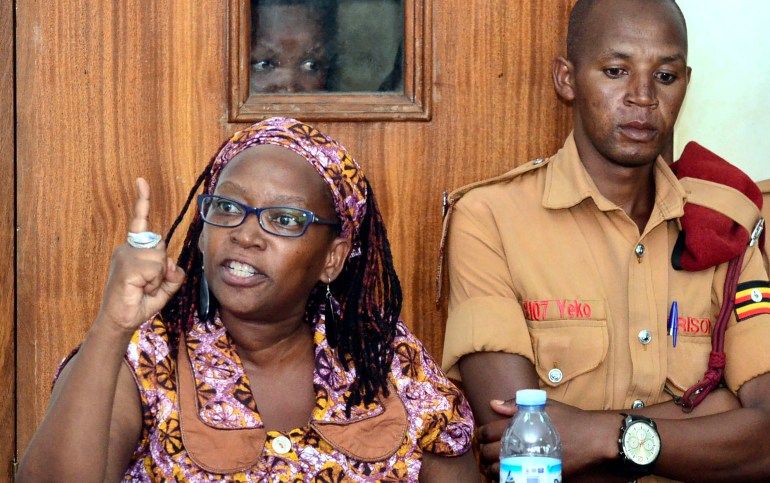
{"x":330,"y":303}
{"x":205,"y":296}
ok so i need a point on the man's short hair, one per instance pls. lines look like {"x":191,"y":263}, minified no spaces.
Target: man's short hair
{"x":579,"y":19}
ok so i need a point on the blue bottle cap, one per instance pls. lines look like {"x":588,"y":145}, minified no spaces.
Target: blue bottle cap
{"x":530,"y":397}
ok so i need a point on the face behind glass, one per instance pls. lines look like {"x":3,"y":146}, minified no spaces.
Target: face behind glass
{"x":289,"y":50}
{"x":630,"y":81}
{"x":255,"y":275}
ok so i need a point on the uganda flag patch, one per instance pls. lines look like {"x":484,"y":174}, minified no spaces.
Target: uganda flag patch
{"x":752,"y":298}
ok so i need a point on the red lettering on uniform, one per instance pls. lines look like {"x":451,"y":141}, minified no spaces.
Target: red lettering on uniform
{"x":535,"y":309}
{"x":571,"y":310}
{"x":538,"y":309}
{"x":544,"y":304}
{"x":574,"y":309}
{"x":694,"y":325}
{"x":581,"y":309}
{"x":561,"y":304}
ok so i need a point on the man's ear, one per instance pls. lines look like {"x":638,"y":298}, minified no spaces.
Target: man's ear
{"x":335,"y":259}
{"x":564,"y":78}
{"x":689,"y":74}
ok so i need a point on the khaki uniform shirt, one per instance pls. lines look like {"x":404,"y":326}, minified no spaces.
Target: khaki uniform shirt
{"x":765,"y":187}
{"x":540,"y":264}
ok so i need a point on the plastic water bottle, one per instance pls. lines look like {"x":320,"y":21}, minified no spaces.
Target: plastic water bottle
{"x":531,"y":449}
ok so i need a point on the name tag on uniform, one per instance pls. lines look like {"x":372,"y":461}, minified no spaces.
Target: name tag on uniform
{"x":557,"y":309}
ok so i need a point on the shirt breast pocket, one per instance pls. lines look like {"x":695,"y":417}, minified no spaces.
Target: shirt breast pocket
{"x":570,"y":356}
{"x":688,"y":361}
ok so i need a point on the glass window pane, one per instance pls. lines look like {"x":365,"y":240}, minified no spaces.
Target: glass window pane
{"x":326,"y":46}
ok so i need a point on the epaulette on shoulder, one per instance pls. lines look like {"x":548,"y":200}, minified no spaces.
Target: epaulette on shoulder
{"x":453,"y":197}
{"x":764,"y":186}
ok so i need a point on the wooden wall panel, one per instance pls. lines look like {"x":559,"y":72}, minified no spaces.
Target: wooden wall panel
{"x":108,"y":91}
{"x":113,"y":90}
{"x":7,"y":248}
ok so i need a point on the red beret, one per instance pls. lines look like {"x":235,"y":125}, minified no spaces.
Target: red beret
{"x":713,"y":234}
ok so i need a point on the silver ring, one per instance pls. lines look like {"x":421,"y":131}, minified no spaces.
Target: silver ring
{"x":143,"y":239}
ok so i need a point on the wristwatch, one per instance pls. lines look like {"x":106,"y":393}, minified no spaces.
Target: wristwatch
{"x":639,"y":446}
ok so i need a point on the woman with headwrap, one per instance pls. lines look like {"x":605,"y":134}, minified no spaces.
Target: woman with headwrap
{"x":271,"y":351}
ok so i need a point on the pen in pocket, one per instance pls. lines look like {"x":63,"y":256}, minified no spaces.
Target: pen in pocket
{"x":673,"y":321}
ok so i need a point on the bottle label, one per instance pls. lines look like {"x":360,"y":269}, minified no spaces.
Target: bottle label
{"x":530,"y":469}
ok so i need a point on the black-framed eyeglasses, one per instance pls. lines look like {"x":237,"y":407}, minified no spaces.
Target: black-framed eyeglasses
{"x":277,"y":220}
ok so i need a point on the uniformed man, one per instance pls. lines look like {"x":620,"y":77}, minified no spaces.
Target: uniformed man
{"x":561,"y":278}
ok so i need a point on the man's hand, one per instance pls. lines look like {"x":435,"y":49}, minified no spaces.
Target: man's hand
{"x":489,"y":436}
{"x":587,"y":437}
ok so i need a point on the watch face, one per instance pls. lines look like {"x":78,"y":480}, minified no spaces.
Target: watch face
{"x":641,"y":443}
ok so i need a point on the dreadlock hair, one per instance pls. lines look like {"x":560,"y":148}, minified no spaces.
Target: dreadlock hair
{"x":368,"y":291}
{"x":370,"y":298}
{"x":178,"y":312}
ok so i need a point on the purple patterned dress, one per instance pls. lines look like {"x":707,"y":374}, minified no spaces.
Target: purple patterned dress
{"x":201,"y":422}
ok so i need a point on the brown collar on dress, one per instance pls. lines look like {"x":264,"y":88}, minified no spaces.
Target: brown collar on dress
{"x":226,"y":449}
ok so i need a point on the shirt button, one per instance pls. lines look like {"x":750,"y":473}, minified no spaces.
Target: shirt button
{"x":645,"y":336}
{"x":555,"y":375}
{"x":639,"y":250}
{"x":281,"y":445}
{"x":637,"y":404}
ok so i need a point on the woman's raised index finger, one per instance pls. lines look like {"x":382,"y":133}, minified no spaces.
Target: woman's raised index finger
{"x":140,"y":221}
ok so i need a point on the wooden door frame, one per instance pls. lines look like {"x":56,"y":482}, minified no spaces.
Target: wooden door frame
{"x":413,"y":104}
{"x":7,"y":241}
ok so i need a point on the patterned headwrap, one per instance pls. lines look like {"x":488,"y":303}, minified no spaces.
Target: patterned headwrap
{"x":338,"y":169}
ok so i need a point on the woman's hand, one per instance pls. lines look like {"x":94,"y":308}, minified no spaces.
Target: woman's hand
{"x":141,"y":280}
{"x":94,"y":418}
